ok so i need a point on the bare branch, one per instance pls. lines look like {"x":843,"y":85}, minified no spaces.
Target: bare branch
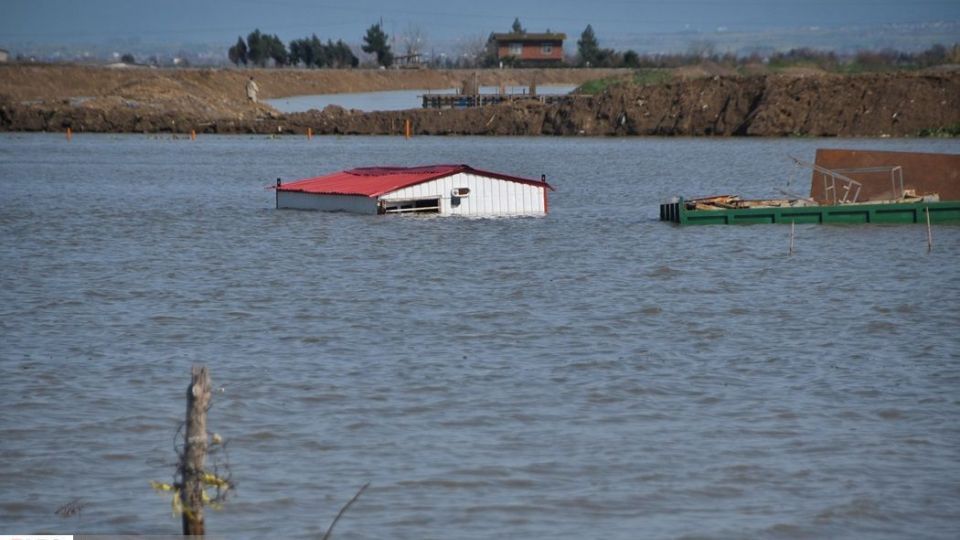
{"x":414,"y":39}
{"x":343,"y":510}
{"x":471,"y":48}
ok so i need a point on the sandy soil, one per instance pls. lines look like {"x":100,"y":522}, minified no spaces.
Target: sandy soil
{"x":51,"y":82}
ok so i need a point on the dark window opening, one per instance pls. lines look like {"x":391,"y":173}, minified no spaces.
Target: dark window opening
{"x":417,"y":206}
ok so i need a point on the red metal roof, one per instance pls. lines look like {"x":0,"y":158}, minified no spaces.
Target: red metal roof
{"x":375,"y":181}
{"x":545,"y":36}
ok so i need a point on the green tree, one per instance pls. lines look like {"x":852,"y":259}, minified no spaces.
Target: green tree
{"x":300,"y":53}
{"x":341,"y":55}
{"x":376,"y":42}
{"x":238,"y":53}
{"x":491,"y":56}
{"x":258,"y":48}
{"x":631,"y":59}
{"x":128,"y":59}
{"x":277,"y":50}
{"x":262,"y":48}
{"x":318,"y":53}
{"x":606,"y":58}
{"x":587,"y":47}
{"x":517,"y":28}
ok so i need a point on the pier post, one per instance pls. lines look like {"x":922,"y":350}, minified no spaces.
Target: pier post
{"x":792,"y":224}
{"x":195,"y":451}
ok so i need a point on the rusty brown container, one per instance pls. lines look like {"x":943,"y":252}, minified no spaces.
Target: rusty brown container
{"x":924,"y":173}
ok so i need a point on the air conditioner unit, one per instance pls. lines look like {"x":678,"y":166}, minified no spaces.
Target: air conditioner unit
{"x":460,"y":192}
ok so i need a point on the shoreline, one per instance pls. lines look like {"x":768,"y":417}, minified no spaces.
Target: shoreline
{"x":86,"y":99}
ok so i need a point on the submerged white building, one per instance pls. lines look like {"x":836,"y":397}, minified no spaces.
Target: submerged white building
{"x":448,"y":190}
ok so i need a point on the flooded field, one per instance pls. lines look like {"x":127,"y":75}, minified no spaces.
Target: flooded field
{"x":391,"y":100}
{"x":594,"y":373}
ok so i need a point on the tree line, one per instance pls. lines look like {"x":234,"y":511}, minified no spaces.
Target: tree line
{"x":936,"y":55}
{"x":864,"y":60}
{"x":260,"y":49}
{"x":590,"y":54}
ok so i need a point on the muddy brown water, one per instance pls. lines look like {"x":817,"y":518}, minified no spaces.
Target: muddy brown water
{"x":595,"y":373}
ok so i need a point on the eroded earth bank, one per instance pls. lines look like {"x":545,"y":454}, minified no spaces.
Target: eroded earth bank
{"x":85,"y":99}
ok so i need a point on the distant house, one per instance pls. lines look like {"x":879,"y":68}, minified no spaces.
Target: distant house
{"x":4,"y":56}
{"x":530,"y":49}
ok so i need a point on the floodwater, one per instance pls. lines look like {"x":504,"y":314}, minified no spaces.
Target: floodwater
{"x":591,"y":374}
{"x":389,"y":100}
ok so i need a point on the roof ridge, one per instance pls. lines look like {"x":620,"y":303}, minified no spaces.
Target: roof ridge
{"x":375,"y":181}
{"x":388,"y":170}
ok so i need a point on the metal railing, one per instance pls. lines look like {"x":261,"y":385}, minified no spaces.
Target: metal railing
{"x":838,"y":188}
{"x":896,"y":176}
{"x":848,"y":190}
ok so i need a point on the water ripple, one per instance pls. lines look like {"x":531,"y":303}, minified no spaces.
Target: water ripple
{"x":596,"y":373}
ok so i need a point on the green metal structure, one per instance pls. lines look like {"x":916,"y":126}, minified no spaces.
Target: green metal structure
{"x":893,"y":212}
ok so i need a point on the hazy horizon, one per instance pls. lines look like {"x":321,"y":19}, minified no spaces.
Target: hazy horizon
{"x":619,"y":24}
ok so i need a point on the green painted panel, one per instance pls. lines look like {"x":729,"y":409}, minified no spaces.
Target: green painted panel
{"x":943,"y":215}
{"x":749,"y":218}
{"x":845,"y":216}
{"x":717,"y":218}
{"x":895,"y":215}
{"x":940,"y":212}
{"x":801,"y":216}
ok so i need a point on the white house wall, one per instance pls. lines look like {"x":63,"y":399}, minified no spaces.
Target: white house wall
{"x":329,"y":203}
{"x":488,"y":196}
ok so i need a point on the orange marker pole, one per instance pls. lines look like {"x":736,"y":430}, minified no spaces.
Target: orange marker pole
{"x":69,"y":134}
{"x":406,"y":129}
{"x":309,"y":133}
{"x":193,"y":134}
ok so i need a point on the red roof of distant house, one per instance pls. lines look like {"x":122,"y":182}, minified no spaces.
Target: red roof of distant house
{"x":545,"y":36}
{"x":375,"y":181}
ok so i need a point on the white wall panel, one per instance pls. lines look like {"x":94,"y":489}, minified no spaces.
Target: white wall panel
{"x":488,"y":196}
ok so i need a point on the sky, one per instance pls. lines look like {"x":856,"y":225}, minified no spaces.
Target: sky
{"x":221,"y":21}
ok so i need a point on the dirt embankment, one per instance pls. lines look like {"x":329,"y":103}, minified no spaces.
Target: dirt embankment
{"x":52,"y":98}
{"x":874,"y":105}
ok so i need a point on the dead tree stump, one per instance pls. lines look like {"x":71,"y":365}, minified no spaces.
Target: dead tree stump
{"x":195,"y":451}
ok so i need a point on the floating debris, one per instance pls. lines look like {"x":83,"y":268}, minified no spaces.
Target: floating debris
{"x":72,"y":508}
